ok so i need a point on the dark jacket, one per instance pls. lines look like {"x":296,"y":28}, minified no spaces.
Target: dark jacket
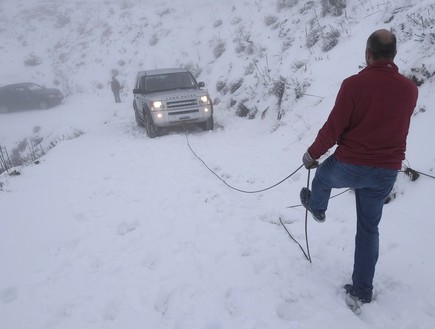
{"x":370,"y":119}
{"x":115,"y":85}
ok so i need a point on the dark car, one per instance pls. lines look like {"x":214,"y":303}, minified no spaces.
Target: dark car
{"x":23,"y":96}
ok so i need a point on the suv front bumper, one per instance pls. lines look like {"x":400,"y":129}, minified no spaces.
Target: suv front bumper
{"x":179,"y":117}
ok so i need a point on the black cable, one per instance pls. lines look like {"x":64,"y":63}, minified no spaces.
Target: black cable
{"x":306,"y":254}
{"x":413,"y":174}
{"x":306,"y":219}
{"x":232,"y":187}
{"x":422,"y":173}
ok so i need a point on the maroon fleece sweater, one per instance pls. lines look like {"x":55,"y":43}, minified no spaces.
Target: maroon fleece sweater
{"x":370,"y":119}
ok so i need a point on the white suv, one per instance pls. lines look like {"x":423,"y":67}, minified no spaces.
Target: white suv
{"x":170,"y":97}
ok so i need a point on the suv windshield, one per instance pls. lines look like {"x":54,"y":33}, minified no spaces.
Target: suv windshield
{"x":170,"y":81}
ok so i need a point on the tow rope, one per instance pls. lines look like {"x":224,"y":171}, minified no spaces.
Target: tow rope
{"x":306,"y":253}
{"x":235,"y":188}
{"x":411,"y":173}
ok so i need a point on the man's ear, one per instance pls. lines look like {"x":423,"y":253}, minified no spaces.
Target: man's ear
{"x":369,"y":57}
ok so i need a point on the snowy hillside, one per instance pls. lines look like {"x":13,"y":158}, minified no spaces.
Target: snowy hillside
{"x":110,"y":229}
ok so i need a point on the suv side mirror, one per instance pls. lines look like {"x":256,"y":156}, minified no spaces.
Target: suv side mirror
{"x":137,"y":91}
{"x":201,"y":84}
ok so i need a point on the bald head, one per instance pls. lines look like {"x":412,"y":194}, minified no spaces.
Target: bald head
{"x":381,"y":45}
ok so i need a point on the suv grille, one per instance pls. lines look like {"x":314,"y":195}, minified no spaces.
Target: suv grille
{"x":174,"y":105}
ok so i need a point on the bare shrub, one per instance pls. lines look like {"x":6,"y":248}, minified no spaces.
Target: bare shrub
{"x":236,"y":85}
{"x":250,"y":69}
{"x":33,"y":60}
{"x":164,"y":12}
{"x":278,"y":89}
{"x":313,"y":37}
{"x":423,"y":22}
{"x":218,"y":47}
{"x":307,"y":7}
{"x":154,"y":39}
{"x":420,"y":74}
{"x":299,"y":88}
{"x":314,"y":33}
{"x":195,"y":69}
{"x":287,"y":43}
{"x":298,"y":65}
{"x":217,"y":23}
{"x":221,"y":87}
{"x":330,"y":40}
{"x":242,"y":111}
{"x":270,"y":19}
{"x":285,"y":4}
{"x":236,"y":20}
{"x":244,"y":43}
{"x":333,"y":7}
{"x":29,"y":150}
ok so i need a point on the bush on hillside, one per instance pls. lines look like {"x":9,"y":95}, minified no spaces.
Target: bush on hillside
{"x":278,"y":89}
{"x":33,"y":60}
{"x":218,"y":47}
{"x":330,"y":40}
{"x":270,"y":19}
{"x":285,"y":4}
{"x":333,"y":7}
{"x":221,"y":87}
{"x":420,"y":74}
{"x":30,"y":149}
{"x":236,"y":85}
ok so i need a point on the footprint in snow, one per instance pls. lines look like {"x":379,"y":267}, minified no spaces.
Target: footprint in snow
{"x":126,"y":227}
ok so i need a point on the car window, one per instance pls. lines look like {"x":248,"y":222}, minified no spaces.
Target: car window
{"x":181,"y":80}
{"x":34,"y":87}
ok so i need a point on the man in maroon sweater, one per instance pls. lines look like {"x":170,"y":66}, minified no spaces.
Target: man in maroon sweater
{"x":369,"y":123}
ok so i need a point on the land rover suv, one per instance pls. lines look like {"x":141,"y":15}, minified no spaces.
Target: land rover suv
{"x":166,"y":98}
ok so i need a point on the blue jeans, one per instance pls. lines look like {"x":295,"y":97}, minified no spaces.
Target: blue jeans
{"x":372,"y":186}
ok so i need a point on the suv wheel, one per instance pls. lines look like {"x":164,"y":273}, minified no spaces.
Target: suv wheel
{"x":209,"y":124}
{"x":138,"y":120}
{"x":150,"y":127}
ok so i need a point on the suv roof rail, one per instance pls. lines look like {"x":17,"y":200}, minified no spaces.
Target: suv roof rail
{"x":161,"y":71}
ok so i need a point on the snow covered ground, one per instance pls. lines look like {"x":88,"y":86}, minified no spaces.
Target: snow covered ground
{"x":115,"y":230}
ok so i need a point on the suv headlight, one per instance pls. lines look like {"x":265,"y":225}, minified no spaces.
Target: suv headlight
{"x":204,"y":100}
{"x":157,"y":106}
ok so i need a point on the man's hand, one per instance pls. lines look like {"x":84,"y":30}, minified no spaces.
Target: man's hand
{"x":309,"y":162}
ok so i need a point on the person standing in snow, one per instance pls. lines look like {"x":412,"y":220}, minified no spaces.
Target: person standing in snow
{"x":116,"y":88}
{"x":369,"y":122}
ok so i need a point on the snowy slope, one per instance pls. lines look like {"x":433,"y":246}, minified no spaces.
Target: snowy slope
{"x":112,"y":229}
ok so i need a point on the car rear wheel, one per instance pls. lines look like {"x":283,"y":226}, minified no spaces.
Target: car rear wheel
{"x":151,"y":129}
{"x":4,"y":109}
{"x":43,"y":105}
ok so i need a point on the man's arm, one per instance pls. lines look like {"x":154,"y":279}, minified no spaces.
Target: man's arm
{"x":336,"y":123}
